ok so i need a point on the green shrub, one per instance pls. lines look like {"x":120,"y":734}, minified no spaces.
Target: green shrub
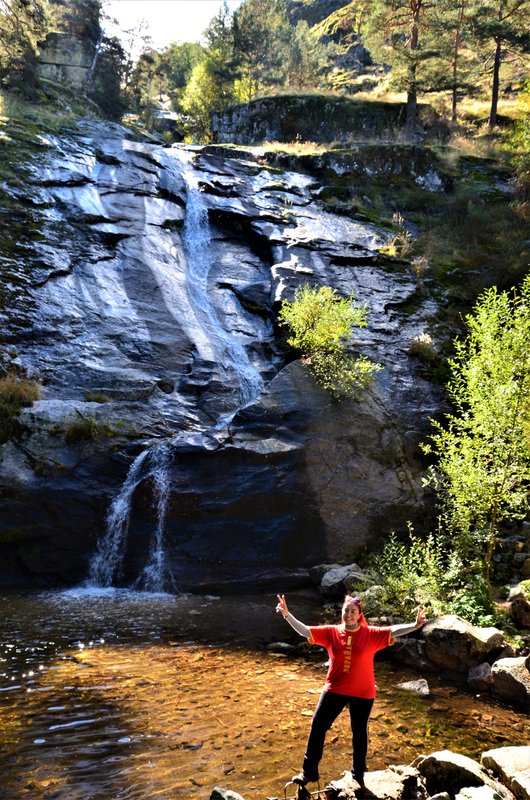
{"x":411,"y":574}
{"x":342,"y":375}
{"x":320,"y":324}
{"x":427,"y":572}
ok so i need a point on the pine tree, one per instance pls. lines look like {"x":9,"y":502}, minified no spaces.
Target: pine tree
{"x":455,"y":63}
{"x":503,"y":26}
{"x":261,"y":32}
{"x":398,"y":33}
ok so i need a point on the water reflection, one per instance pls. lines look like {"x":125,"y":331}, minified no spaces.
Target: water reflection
{"x":113,"y":695}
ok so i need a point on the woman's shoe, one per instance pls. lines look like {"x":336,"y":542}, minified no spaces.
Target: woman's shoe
{"x":300,"y":779}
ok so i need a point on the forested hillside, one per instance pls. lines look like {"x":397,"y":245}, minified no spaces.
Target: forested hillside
{"x":449,"y":53}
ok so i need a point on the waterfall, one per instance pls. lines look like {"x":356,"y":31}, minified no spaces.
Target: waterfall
{"x":107,"y":560}
{"x":156,"y":575}
{"x":106,"y":564}
{"x":217,"y":346}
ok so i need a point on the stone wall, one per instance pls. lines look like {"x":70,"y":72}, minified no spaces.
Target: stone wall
{"x":65,"y":59}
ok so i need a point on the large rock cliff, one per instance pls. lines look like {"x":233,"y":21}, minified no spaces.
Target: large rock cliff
{"x":144,"y":302}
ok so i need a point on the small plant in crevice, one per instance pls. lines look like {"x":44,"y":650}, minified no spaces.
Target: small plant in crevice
{"x":402,"y":243}
{"x":86,"y":429}
{"x":422,"y":347}
{"x":16,"y":393}
{"x":97,"y":397}
{"x":320,"y":322}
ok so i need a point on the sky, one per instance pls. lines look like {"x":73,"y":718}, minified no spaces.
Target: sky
{"x":167,"y":20}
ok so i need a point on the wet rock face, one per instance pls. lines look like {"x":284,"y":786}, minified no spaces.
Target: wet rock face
{"x":146,"y":307}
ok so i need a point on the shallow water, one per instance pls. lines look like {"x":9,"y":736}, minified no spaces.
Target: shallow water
{"x":122,"y":695}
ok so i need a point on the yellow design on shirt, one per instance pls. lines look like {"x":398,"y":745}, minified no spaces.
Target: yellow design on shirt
{"x":347,"y":654}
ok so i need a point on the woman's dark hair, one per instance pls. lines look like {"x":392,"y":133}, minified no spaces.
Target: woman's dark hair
{"x":349,"y":599}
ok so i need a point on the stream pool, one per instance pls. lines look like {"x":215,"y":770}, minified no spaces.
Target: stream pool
{"x":127,"y":696}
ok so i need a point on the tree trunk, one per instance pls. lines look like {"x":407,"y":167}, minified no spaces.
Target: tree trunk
{"x":454,"y":98}
{"x":412,"y":99}
{"x":412,"y":111}
{"x":495,"y":85}
{"x":456,"y":55}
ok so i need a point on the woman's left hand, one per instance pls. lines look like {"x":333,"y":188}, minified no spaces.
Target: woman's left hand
{"x":421,"y":618}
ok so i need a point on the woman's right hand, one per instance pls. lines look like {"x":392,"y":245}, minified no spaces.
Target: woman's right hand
{"x":281,"y":608}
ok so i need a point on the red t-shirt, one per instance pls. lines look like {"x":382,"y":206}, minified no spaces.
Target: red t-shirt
{"x":351,"y":670}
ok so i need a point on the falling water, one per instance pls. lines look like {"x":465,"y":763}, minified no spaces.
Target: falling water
{"x":226,"y":350}
{"x":157,"y":575}
{"x":219,"y":347}
{"x":106,"y":562}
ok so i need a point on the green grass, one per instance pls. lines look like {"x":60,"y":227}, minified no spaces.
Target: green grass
{"x":87,"y":429}
{"x":15,"y":394}
{"x":97,"y":397}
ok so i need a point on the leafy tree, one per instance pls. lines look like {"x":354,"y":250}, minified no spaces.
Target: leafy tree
{"x":504,"y":25}
{"x":482,"y":472}
{"x":204,"y":94}
{"x":23,"y":23}
{"x":220,"y":36}
{"x":211,"y":84}
{"x":177,"y":62}
{"x":320,"y":324}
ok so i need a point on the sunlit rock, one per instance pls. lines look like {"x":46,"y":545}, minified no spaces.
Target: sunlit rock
{"x":445,"y":771}
{"x":395,"y":783}
{"x":511,"y":681}
{"x":338,"y":581}
{"x":519,"y":607}
{"x":478,"y":793}
{"x":511,"y":765}
{"x":452,"y":643}
{"x":218,"y":793}
{"x":419,"y":687}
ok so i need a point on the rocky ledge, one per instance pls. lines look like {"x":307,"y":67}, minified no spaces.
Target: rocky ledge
{"x":501,"y":774}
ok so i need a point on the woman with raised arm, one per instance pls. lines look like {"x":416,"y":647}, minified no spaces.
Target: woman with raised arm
{"x":350,"y":679}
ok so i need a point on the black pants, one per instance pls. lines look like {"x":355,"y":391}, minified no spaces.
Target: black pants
{"x":328,"y":709}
